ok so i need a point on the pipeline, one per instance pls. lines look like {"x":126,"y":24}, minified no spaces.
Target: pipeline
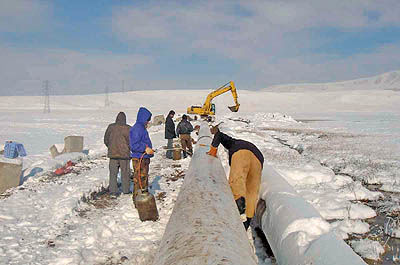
{"x":205,"y":226}
{"x":295,"y":230}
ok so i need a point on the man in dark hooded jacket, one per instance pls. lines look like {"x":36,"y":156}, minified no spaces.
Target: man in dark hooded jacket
{"x":141,"y":150}
{"x":116,"y":139}
{"x":246,"y":162}
{"x":183,"y":131}
{"x":170,"y":133}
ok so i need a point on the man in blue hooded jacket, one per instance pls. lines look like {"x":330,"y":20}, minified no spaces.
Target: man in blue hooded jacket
{"x":141,"y":150}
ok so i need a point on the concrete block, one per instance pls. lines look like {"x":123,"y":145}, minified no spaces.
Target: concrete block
{"x":158,"y":120}
{"x":73,"y":144}
{"x":54,"y":151}
{"x":10,"y":173}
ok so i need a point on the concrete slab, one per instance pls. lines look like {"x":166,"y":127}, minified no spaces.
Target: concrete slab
{"x":73,"y":144}
{"x":54,"y":151}
{"x":10,"y":173}
{"x":158,"y":120}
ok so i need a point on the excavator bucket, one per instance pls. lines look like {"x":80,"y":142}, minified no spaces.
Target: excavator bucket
{"x":233,"y":108}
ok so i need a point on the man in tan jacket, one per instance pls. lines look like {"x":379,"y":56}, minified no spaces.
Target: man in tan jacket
{"x":116,"y":139}
{"x":246,"y":162}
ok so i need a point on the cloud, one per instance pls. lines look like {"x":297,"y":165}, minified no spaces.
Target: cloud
{"x":317,"y":68}
{"x":256,"y":43}
{"x":23,"y":71}
{"x":24,"y":15}
{"x":277,"y":39}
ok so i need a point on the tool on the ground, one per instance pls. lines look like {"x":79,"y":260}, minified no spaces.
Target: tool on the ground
{"x":144,"y":201}
{"x":208,"y":108}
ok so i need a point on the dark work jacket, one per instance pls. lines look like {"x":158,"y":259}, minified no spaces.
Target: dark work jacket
{"x":169,"y":128}
{"x":116,"y":138}
{"x":184,"y":127}
{"x":234,"y":145}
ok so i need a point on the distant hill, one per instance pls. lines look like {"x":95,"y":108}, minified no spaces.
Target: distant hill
{"x":386,"y":81}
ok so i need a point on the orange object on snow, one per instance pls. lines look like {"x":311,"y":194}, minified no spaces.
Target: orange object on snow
{"x":65,"y":169}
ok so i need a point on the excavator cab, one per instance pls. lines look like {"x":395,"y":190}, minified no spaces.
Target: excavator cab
{"x":213,"y":108}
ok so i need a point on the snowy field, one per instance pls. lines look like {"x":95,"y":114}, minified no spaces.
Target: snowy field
{"x":340,"y":151}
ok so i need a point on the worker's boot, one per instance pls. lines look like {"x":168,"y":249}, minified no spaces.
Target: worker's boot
{"x":247,"y":223}
{"x":184,"y":154}
{"x":241,"y":204}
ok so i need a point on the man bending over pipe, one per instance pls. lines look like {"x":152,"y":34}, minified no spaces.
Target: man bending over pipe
{"x":246,"y":162}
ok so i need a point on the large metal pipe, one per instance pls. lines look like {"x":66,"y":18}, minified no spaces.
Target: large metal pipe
{"x":205,"y":226}
{"x":295,"y":230}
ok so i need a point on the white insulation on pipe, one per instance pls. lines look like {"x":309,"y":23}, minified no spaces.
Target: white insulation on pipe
{"x":205,"y":226}
{"x":295,"y":230}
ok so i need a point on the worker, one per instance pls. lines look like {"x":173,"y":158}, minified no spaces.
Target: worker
{"x":170,"y":133}
{"x":183,"y":131}
{"x":246,"y":162}
{"x":116,"y":138}
{"x":141,"y":150}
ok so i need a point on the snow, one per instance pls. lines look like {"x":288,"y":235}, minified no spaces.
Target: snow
{"x":15,"y":161}
{"x":345,"y":227}
{"x":390,"y":80}
{"x":307,"y":230}
{"x":367,"y":248}
{"x":326,"y":145}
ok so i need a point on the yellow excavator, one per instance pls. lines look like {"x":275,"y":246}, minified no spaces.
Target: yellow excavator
{"x":208,"y":108}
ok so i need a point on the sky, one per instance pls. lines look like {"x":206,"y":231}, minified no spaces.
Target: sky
{"x":84,"y":47}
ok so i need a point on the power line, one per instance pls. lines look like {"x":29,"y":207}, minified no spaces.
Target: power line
{"x":46,"y":92}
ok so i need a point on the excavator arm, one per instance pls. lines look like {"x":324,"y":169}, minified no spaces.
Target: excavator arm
{"x":208,"y":107}
{"x":219,"y":91}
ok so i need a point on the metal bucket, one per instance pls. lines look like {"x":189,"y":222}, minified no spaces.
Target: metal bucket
{"x":146,"y":205}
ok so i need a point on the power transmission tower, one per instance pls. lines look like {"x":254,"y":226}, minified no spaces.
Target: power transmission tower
{"x":107,"y":100}
{"x":46,"y":92}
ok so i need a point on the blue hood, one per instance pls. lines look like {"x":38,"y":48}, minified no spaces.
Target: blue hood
{"x":143,"y":115}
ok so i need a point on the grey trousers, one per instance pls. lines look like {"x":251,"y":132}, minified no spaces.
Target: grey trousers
{"x":114,"y":166}
{"x":169,"y":147}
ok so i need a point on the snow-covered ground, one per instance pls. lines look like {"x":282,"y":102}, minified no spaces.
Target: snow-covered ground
{"x":386,"y":81}
{"x":328,"y":157}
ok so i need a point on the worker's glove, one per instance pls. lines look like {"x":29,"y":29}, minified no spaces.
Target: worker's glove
{"x":214,"y":129}
{"x":149,"y":151}
{"x":213,"y":151}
